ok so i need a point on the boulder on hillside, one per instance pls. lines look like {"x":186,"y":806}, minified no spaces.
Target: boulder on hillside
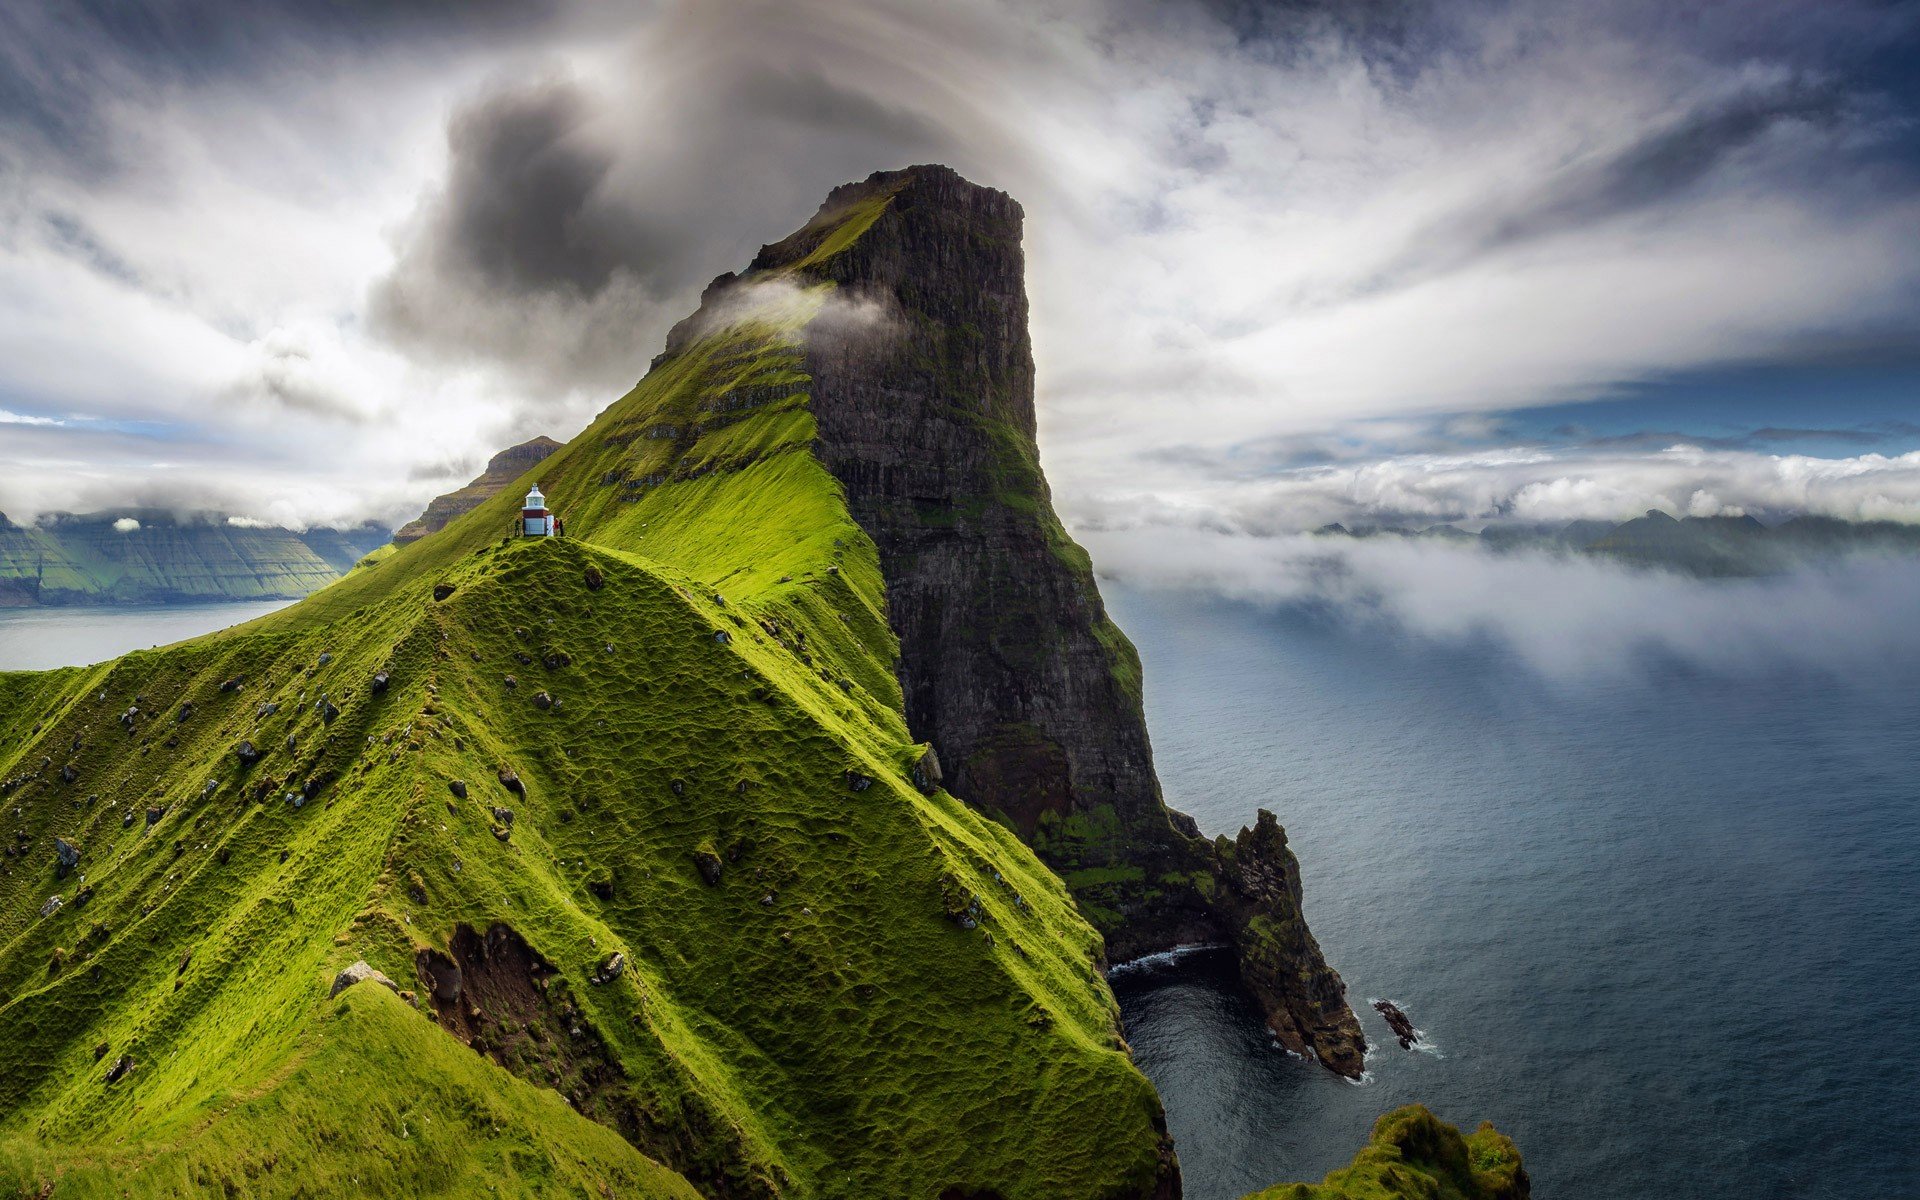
{"x":353,"y":974}
{"x":926,"y":772}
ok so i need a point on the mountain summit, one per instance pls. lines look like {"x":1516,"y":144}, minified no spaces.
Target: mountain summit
{"x":714,"y":849}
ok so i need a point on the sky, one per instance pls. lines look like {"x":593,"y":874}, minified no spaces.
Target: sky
{"x":1395,"y":262}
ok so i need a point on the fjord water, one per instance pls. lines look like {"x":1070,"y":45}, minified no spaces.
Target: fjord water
{"x":1659,"y":924}
{"x":37,"y":639}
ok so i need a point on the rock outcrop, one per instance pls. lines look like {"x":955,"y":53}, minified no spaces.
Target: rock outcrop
{"x":502,"y":469}
{"x":922,"y":390}
{"x":1414,"y":1153}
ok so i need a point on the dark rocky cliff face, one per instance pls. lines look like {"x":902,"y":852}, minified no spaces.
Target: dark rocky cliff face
{"x":922,"y":388}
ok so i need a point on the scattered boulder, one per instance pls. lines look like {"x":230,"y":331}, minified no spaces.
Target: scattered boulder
{"x":234,"y":684}
{"x":246,"y":753}
{"x":926,"y":772}
{"x":722,"y":636}
{"x":328,"y":710}
{"x":325,"y":657}
{"x":81,"y":897}
{"x":857,"y":782}
{"x":52,"y":905}
{"x":512,"y":682}
{"x":442,"y":590}
{"x":503,"y":815}
{"x":542,"y":700}
{"x":708,"y":864}
{"x":962,"y":906}
{"x":356,"y":973}
{"x":511,"y":781}
{"x":610,"y":968}
{"x":185,"y":710}
{"x":265,"y":708}
{"x":458,"y":787}
{"x":595,"y":580}
{"x":126,"y":819}
{"x":99,"y":1052}
{"x":154,"y":813}
{"x":68,"y":774}
{"x":601,"y":887}
{"x":553,"y":660}
{"x":120,"y":1068}
{"x":380,"y":681}
{"x":66,"y":855}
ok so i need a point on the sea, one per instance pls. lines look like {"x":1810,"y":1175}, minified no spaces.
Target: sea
{"x":1661,"y":926}
{"x":35,"y":639}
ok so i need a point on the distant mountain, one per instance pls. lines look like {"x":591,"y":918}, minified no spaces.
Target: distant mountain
{"x":148,"y":556}
{"x":1707,"y":546}
{"x":502,"y":469}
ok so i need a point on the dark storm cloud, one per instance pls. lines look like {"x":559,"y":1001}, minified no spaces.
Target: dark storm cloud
{"x":520,"y":205}
{"x":62,"y":60}
{"x":583,"y":200}
{"x":1665,"y":162}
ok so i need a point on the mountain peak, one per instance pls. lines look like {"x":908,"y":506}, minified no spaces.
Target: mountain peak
{"x":502,"y":469}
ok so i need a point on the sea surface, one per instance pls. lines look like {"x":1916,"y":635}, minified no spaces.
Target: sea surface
{"x":1662,"y":926}
{"x":34,"y":639}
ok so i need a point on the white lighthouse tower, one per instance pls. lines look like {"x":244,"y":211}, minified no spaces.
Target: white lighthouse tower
{"x":535,"y":520}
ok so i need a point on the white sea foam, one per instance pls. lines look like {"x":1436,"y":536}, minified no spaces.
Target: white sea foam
{"x":1163,"y":958}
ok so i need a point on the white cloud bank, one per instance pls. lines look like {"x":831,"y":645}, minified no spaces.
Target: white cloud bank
{"x":1569,"y":618}
{"x":1529,"y":484}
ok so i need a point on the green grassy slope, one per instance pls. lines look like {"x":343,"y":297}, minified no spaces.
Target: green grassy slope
{"x":517,"y":759}
{"x":1416,"y":1156}
{"x":818,"y":1023}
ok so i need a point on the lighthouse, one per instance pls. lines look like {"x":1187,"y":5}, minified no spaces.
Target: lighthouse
{"x":535,"y":520}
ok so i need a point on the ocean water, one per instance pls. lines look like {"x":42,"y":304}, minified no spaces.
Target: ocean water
{"x":35,"y":639}
{"x":1662,"y":926}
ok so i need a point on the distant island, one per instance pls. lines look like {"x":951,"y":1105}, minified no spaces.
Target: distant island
{"x":1713,"y":547}
{"x":152,"y":556}
{"x":155,"y":556}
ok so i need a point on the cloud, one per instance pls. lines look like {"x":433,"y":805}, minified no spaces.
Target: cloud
{"x":126,"y":525}
{"x":336,"y":244}
{"x":1568,"y":618}
{"x":1474,"y":472}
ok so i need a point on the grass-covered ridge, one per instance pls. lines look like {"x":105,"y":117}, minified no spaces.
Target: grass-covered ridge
{"x":1416,"y":1156}
{"x":649,"y":788}
{"x":884,"y":994}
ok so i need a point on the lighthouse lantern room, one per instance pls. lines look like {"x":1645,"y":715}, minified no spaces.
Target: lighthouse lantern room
{"x":535,"y":520}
